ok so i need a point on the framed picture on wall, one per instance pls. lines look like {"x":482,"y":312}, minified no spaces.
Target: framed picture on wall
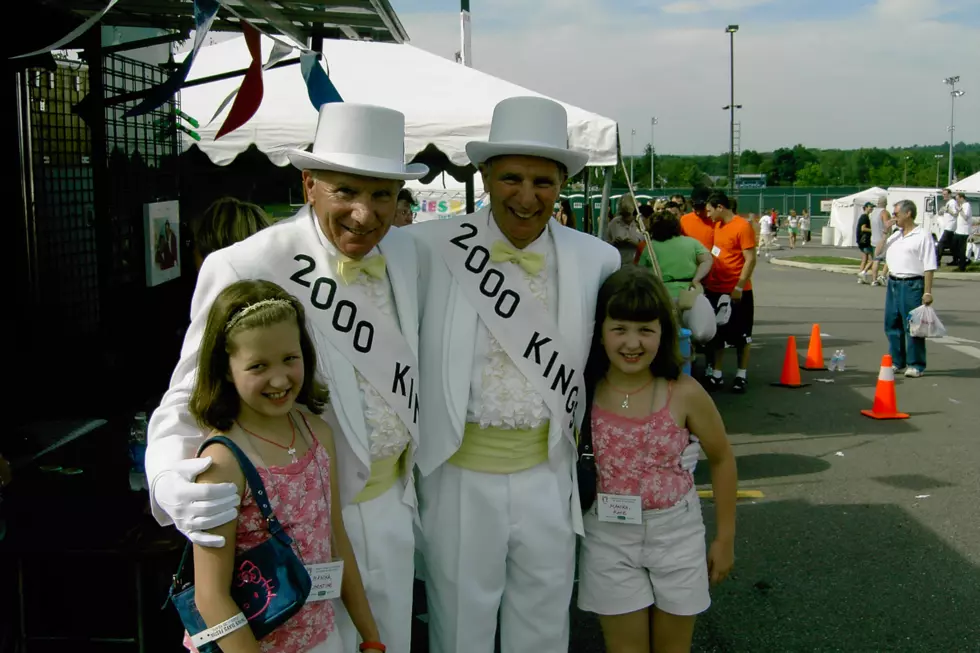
{"x":161,"y":228}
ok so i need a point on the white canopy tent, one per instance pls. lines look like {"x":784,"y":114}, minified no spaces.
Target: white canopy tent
{"x":444,"y":197}
{"x":845,"y":211}
{"x":970,"y":185}
{"x":445,"y":104}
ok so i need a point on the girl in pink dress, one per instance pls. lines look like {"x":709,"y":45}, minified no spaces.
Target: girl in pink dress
{"x":643,"y":567}
{"x":256,"y":385}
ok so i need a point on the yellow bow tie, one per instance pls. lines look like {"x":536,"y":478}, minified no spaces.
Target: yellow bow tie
{"x":532,"y":262}
{"x":349,"y":269}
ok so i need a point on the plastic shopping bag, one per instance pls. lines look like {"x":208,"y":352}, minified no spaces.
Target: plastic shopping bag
{"x":924,"y":323}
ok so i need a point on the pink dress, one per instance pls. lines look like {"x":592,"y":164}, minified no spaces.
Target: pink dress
{"x":641,"y":456}
{"x":304,"y":511}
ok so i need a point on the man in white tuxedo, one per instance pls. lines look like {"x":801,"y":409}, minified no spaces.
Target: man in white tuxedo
{"x":357,"y":279}
{"x":507,"y":316}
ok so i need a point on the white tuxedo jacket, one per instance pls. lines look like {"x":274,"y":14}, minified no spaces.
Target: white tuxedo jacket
{"x":448,"y":332}
{"x":173,"y":433}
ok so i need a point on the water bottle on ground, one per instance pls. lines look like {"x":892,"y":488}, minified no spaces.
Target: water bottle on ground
{"x":832,"y":365}
{"x":841,"y":358}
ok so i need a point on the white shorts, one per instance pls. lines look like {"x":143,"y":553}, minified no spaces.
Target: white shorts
{"x":628,"y":567}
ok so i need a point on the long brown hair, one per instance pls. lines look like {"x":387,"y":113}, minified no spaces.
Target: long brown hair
{"x":215,"y":402}
{"x":635,"y":294}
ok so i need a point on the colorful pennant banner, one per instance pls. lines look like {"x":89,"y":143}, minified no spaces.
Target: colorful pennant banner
{"x":204,"y":13}
{"x":318,"y":85}
{"x":250,"y":92}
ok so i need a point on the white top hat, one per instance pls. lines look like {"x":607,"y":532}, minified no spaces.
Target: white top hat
{"x":359,"y":139}
{"x":529,"y":126}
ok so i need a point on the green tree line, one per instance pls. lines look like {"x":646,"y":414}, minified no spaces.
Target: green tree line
{"x":914,"y":166}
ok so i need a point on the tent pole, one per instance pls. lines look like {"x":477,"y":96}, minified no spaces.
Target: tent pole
{"x":470,"y":195}
{"x":604,"y":207}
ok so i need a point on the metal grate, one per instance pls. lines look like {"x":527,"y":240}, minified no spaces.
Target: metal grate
{"x":65,"y":260}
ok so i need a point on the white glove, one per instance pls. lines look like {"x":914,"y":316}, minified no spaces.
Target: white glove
{"x":196,"y":507}
{"x":690,"y":455}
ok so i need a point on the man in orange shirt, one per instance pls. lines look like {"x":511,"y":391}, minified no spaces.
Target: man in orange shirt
{"x":731,"y":277}
{"x":697,"y":224}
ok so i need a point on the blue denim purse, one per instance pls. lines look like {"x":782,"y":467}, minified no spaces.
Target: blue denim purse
{"x":270,"y":582}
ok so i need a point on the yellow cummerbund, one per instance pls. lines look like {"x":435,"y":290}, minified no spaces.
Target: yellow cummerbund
{"x":494,"y":450}
{"x":384,"y":473}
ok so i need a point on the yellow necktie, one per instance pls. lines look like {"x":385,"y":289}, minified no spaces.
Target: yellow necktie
{"x":532,"y":262}
{"x":349,"y":269}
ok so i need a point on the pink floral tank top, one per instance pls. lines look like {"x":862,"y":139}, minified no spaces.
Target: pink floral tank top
{"x":641,"y":456}
{"x":303,"y":509}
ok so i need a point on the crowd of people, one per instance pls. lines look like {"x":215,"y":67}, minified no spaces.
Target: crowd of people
{"x":460,"y":400}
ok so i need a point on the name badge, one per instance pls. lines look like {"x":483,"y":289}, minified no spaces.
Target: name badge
{"x":716,"y":251}
{"x":620,"y":509}
{"x":327,"y":578}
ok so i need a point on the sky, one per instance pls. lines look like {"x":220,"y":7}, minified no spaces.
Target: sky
{"x":824,"y":73}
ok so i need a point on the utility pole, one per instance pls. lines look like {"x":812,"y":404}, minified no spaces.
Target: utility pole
{"x":905,"y":176}
{"x":731,"y":29}
{"x":953,"y":94}
{"x":466,"y":55}
{"x":939,"y":159}
{"x":653,"y":176}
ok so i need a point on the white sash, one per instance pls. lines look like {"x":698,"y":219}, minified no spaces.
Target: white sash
{"x":364,"y":335}
{"x":518,"y":321}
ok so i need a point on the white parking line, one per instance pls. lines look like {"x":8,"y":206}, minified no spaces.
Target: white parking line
{"x":956,"y":344}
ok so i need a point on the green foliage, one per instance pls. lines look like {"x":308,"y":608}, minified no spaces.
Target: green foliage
{"x":803,"y":166}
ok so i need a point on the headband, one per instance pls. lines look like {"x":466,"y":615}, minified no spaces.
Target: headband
{"x":251,"y":308}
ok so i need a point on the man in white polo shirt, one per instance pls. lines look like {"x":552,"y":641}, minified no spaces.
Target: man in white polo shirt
{"x":911,"y":258}
{"x":964,"y":222}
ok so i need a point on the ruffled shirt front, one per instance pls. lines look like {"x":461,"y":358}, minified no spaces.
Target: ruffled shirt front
{"x":387,"y":434}
{"x":500,"y":395}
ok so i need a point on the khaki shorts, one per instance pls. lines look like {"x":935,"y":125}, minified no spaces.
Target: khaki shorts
{"x":663,"y":562}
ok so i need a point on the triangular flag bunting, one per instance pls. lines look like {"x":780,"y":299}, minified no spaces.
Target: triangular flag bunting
{"x":204,"y":13}
{"x":321,"y":90}
{"x":279,"y":52}
{"x":250,"y":92}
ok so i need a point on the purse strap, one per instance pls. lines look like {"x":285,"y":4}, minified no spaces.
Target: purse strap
{"x":585,"y":433}
{"x":259,"y":493}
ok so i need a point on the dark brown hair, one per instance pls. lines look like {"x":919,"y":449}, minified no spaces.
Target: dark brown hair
{"x":635,"y":294}
{"x":215,"y":402}
{"x":226,"y":222}
{"x":664,"y":226}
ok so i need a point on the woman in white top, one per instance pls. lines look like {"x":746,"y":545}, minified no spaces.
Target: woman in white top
{"x":794,"y":228}
{"x":805,"y":227}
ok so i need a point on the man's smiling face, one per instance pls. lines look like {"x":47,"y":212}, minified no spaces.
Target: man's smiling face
{"x":354,"y":212}
{"x":523,"y":191}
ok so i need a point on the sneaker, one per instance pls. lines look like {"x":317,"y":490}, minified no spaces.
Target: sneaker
{"x":740,"y":385}
{"x":862,"y":277}
{"x":913,"y":373}
{"x":876,"y":283}
{"x":713,"y":384}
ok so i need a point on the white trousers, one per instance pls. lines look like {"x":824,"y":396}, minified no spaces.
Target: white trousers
{"x":381,"y":533}
{"x":498,"y":543}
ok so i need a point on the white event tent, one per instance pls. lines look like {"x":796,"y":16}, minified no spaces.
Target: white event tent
{"x":844,"y":213}
{"x":445,"y":104}
{"x":970,"y":185}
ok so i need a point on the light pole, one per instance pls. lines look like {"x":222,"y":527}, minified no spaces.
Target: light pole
{"x":731,"y":29}
{"x":632,"y":154}
{"x":953,"y":94}
{"x":939,"y":159}
{"x":653,"y":177}
{"x":905,"y":175}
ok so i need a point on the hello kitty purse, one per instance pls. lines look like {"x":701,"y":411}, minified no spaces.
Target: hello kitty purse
{"x":270,"y":583}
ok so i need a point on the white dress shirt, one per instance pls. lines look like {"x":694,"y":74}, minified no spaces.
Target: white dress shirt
{"x":910,"y":255}
{"x":950,"y":211}
{"x":964,"y":219}
{"x":500,"y":395}
{"x":388,"y":435}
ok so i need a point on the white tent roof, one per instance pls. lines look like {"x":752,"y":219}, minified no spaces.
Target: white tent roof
{"x":444,"y":103}
{"x":969,"y":185}
{"x":844,"y":214}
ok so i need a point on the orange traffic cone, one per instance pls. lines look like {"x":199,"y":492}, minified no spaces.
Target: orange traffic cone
{"x":814,"y":355}
{"x":790,"y":377}
{"x":885,"y":405}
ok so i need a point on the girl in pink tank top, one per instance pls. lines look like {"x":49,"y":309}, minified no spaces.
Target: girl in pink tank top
{"x":644,"y":568}
{"x":256,"y":363}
